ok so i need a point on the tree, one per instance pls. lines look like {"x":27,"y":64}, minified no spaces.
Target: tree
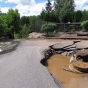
{"x":77,"y":16}
{"x":84,"y":15}
{"x":73,"y":16}
{"x":13,"y":22}
{"x":25,"y":20}
{"x":45,"y":14}
{"x":25,"y":31}
{"x":2,"y":26}
{"x":32,"y":23}
{"x":63,"y":9}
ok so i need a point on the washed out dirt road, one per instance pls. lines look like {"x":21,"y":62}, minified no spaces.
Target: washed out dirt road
{"x":21,"y":68}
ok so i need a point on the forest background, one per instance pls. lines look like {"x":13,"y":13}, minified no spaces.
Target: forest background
{"x":62,"y":11}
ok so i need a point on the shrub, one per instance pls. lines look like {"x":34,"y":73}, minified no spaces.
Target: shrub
{"x":48,"y":27}
{"x":83,"y":30}
{"x":16,"y":35}
{"x":84,"y":24}
{"x":24,"y":32}
{"x":71,"y":28}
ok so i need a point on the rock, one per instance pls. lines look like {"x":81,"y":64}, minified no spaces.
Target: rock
{"x":73,"y":58}
{"x":82,"y":54}
{"x":79,"y":55}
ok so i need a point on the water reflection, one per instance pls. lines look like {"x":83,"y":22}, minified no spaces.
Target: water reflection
{"x":68,"y":79}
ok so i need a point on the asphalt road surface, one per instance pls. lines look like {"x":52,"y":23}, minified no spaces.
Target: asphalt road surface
{"x":21,"y":68}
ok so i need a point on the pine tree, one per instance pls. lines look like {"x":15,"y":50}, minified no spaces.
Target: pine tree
{"x":45,"y":14}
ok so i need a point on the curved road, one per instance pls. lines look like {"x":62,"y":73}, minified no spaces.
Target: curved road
{"x":21,"y":68}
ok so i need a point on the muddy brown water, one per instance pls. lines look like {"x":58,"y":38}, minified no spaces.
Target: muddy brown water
{"x":67,"y":79}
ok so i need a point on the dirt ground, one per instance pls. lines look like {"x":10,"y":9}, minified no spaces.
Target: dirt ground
{"x":47,"y":42}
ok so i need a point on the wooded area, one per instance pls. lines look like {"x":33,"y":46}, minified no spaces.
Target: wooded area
{"x":63,"y":11}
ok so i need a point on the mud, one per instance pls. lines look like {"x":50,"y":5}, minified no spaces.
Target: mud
{"x":67,"y":78}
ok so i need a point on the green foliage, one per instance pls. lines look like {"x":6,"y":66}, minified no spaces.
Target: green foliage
{"x":60,"y":4}
{"x":2,"y":26}
{"x":48,"y":27}
{"x":84,"y":24}
{"x":25,"y":20}
{"x":48,"y":7}
{"x":71,"y":28}
{"x":73,"y":16}
{"x":25,"y":31}
{"x":11,"y":25}
{"x":16,"y":35}
{"x":84,"y":15}
{"x":12,"y":22}
{"x":64,"y":8}
{"x":46,"y":13}
{"x":32,"y":23}
{"x":27,"y":25}
{"x":77,"y":16}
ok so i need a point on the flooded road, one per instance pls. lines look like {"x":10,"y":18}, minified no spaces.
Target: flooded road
{"x":67,"y":79}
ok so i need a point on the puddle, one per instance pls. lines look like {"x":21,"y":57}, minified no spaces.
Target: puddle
{"x":67,"y":79}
